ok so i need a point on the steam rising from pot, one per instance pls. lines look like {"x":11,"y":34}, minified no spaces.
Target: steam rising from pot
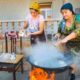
{"x":47,"y":55}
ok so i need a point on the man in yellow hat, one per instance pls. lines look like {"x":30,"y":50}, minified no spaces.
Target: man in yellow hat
{"x":34,"y":24}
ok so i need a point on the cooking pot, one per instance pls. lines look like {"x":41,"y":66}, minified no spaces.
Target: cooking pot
{"x":47,"y":56}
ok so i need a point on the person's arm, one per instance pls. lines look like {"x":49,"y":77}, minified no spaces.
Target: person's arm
{"x":41,"y":29}
{"x":71,"y":36}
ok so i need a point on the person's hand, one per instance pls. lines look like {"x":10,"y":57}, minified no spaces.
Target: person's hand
{"x":58,"y":43}
{"x":21,"y":33}
{"x":28,"y":34}
{"x":57,"y":36}
{"x":64,"y":41}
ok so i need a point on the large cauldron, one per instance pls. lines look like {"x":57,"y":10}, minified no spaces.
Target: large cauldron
{"x":49,"y":58}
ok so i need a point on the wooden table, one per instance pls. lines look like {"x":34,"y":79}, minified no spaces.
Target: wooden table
{"x":12,"y":65}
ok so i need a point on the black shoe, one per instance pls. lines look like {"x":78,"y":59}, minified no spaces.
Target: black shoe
{"x":72,"y":77}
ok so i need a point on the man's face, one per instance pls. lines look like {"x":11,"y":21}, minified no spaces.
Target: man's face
{"x":66,"y":13}
{"x":33,"y":12}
